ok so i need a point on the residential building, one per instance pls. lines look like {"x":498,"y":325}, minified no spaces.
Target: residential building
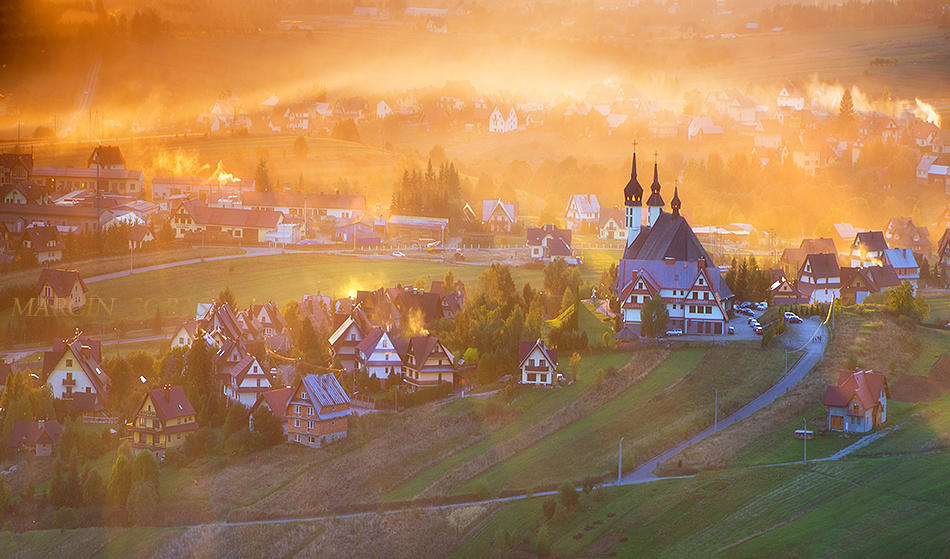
{"x":73,"y":366}
{"x":61,"y":290}
{"x":790,"y":97}
{"x":186,"y":333}
{"x":224,"y":224}
{"x":665,"y":259}
{"x":318,"y":411}
{"x":538,"y":363}
{"x":378,"y":355}
{"x":15,"y":168}
{"x":498,"y":216}
{"x":503,"y":119}
{"x":784,"y":291}
{"x":901,"y":232}
{"x":427,"y":363}
{"x":943,"y":256}
{"x":820,"y":278}
{"x":858,"y":402}
{"x":583,"y":210}
{"x":44,"y":241}
{"x":276,"y":402}
{"x":243,"y":380}
{"x":36,"y":437}
{"x":858,"y":283}
{"x":168,"y":191}
{"x":612,"y":227}
{"x":347,"y":336}
{"x":67,"y":179}
{"x":548,"y":243}
{"x":792,"y":258}
{"x":868,"y":249}
{"x":318,"y":207}
{"x":106,"y":157}
{"x":163,"y":420}
{"x":904,"y":263}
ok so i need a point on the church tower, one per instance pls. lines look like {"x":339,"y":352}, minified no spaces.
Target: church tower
{"x":633,"y":204}
{"x":655,"y":203}
{"x":675,"y":203}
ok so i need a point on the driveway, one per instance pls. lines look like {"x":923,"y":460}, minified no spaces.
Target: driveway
{"x":814,"y":339}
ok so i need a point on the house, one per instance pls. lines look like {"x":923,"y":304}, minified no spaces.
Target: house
{"x":819,"y":280}
{"x":702,"y":126}
{"x":416,"y":227}
{"x":665,"y":259}
{"x":73,"y":366}
{"x":276,"y":402}
{"x":15,"y":168}
{"x":24,"y":193}
{"x":350,"y":108}
{"x":61,"y":290}
{"x":347,"y":336}
{"x":186,"y":333}
{"x":383,"y":110}
{"x":318,"y":411}
{"x":378,"y":355}
{"x":858,"y":402}
{"x":858,"y":283}
{"x":792,"y":258}
{"x":163,"y":420}
{"x":244,"y":380}
{"x":503,"y":119}
{"x":45,"y":242}
{"x":790,"y":97}
{"x":498,"y":216}
{"x":902,"y":233}
{"x":868,"y":249}
{"x":224,"y":224}
{"x":784,"y":292}
{"x":140,"y":235}
{"x":166,"y":190}
{"x":612,"y":226}
{"x":548,"y":243}
{"x":427,"y":363}
{"x":67,"y":179}
{"x":35,"y":437}
{"x":943,"y":255}
{"x":334,"y":207}
{"x":904,"y":263}
{"x":267,"y":318}
{"x":538,"y":363}
{"x":583,"y":210}
{"x":106,"y":157}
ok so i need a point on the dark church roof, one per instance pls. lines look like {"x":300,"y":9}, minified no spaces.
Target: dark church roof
{"x":670,"y":237}
{"x":633,"y":192}
{"x":655,"y":198}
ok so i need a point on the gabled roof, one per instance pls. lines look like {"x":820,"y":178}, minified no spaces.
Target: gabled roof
{"x":900,"y":258}
{"x":871,"y":241}
{"x":585,"y":203}
{"x":30,"y":432}
{"x":88,"y":354}
{"x":535,"y":235}
{"x":170,"y":403}
{"x":822,"y":265}
{"x":669,"y":237}
{"x":489,"y":207}
{"x":527,"y":347}
{"x":232,"y":217}
{"x":821,"y":245}
{"x":298,"y":200}
{"x":62,"y":281}
{"x":865,"y":385}
{"x":615,"y":214}
{"x":369,"y":342}
{"x":106,"y":156}
{"x":324,"y":390}
{"x":276,"y":400}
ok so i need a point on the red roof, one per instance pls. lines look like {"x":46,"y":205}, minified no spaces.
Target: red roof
{"x":277,"y":400}
{"x":170,"y":403}
{"x":865,"y":385}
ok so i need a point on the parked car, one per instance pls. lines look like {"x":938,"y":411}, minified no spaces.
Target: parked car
{"x":745,"y":305}
{"x":789,"y":315}
{"x":795,"y":320}
{"x":731,"y":330}
{"x":761,"y":306}
{"x":758,"y":329}
{"x":674,"y":332}
{"x":398,"y":254}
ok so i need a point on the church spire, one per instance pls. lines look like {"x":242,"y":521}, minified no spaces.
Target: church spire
{"x":675,"y":203}
{"x":633,"y":192}
{"x":656,"y":200}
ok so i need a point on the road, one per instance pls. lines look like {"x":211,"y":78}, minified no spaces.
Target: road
{"x":13,"y":356}
{"x":814,"y":349}
{"x":250,"y":252}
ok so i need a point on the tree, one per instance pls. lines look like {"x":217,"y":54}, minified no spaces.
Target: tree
{"x":846,"y":109}
{"x":226,"y":297}
{"x":93,"y":490}
{"x":902,"y":302}
{"x":300,"y":148}
{"x":267,"y":424}
{"x":262,"y":177}
{"x":654,"y":317}
{"x":141,"y":501}
{"x":145,"y":468}
{"x":120,"y":480}
{"x":346,"y":130}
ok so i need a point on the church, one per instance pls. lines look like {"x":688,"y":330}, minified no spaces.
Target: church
{"x":664,"y":258}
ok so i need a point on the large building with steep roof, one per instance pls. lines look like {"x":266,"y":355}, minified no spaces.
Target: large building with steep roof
{"x":665,"y":259}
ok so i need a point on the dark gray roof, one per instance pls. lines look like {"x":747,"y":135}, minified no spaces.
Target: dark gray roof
{"x":676,"y":275}
{"x":633,"y":192}
{"x":655,"y":198}
{"x":873,"y":241}
{"x":670,"y":237}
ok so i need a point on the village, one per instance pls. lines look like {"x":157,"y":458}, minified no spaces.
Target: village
{"x":506,"y":279}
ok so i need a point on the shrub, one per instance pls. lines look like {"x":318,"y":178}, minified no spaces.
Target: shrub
{"x":568,"y":497}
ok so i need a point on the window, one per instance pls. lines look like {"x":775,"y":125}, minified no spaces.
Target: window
{"x":69,"y":363}
{"x":309,"y":425}
{"x":296,"y":423}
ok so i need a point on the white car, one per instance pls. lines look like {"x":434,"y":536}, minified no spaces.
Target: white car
{"x":674,"y":332}
{"x":761,"y":306}
{"x":398,"y":254}
{"x":789,"y":315}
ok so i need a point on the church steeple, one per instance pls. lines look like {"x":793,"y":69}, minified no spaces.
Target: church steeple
{"x":675,"y":203}
{"x":655,"y":198}
{"x":633,"y":192}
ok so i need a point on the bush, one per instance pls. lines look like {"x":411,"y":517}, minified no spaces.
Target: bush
{"x":142,"y":501}
{"x":568,"y":497}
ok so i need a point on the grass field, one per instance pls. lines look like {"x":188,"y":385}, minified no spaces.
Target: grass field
{"x":880,"y":507}
{"x":534,"y":406}
{"x":648,"y":415}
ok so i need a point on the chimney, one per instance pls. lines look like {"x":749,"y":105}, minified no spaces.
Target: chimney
{"x":701,"y":263}
{"x":41,"y":423}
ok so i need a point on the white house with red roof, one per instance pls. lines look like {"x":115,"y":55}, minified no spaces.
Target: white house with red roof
{"x":858,"y":402}
{"x":378,"y":355}
{"x":538,"y":364}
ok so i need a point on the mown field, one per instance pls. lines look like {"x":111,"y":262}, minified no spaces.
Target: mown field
{"x":871,"y":507}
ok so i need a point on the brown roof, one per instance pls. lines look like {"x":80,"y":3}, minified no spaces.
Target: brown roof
{"x":821,"y":245}
{"x":277,"y":401}
{"x":108,"y":156}
{"x":30,"y":432}
{"x":62,"y":281}
{"x":232,"y":217}
{"x":170,"y":402}
{"x":298,"y":200}
{"x":88,"y":354}
{"x":822,"y":265}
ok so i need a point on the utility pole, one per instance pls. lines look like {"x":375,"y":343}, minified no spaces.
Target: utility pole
{"x":620,"y":462}
{"x":716,"y":410}
{"x":131,"y":256}
{"x":804,"y":442}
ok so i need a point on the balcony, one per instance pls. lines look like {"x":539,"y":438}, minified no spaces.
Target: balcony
{"x":542,"y":368}
{"x":146,"y":413}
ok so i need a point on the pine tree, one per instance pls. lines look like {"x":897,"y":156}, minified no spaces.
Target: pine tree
{"x":262,"y":177}
{"x":846,"y":110}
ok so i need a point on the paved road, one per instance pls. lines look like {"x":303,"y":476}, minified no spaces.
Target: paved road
{"x":16,"y":355}
{"x":814,"y":350}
